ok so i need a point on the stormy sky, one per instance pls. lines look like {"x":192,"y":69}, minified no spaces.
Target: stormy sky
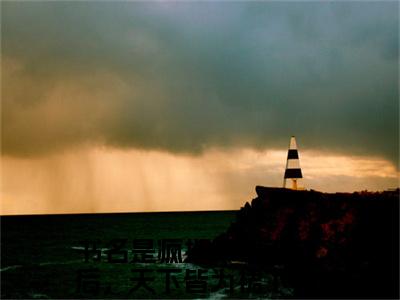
{"x":182,"y":79}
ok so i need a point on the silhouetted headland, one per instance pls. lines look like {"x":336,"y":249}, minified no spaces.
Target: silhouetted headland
{"x":339,"y":245}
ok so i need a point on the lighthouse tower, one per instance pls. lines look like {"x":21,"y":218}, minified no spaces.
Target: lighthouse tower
{"x":293,"y":170}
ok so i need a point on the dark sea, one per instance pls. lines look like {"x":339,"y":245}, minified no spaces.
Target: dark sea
{"x":53,"y":256}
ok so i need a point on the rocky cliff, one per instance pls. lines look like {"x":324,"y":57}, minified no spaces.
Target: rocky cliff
{"x":322,"y":245}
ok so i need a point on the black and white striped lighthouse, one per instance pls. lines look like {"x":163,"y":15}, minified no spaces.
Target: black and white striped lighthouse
{"x":293,"y":170}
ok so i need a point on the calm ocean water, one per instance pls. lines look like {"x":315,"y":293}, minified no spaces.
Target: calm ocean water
{"x":42,"y":255}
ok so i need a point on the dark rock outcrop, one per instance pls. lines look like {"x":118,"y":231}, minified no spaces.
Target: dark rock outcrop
{"x":323,"y":245}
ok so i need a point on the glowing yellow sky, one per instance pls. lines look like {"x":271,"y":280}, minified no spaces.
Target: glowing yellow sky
{"x":109,"y":180}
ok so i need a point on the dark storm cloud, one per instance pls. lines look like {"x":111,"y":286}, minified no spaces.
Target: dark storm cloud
{"x":183,"y":77}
